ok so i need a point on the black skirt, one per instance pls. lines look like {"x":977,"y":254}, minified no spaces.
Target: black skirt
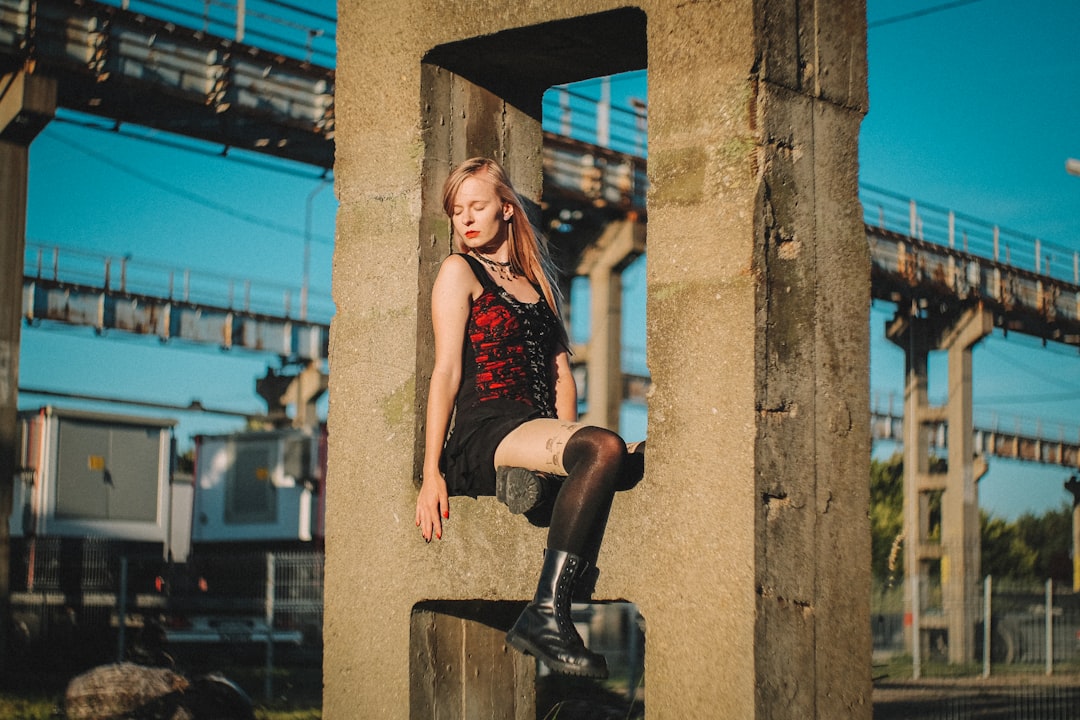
{"x":468,"y":458}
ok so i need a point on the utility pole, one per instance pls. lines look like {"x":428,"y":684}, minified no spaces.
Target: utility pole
{"x":1073,"y":486}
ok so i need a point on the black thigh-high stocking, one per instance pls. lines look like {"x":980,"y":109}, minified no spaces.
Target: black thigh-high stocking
{"x":593,"y":458}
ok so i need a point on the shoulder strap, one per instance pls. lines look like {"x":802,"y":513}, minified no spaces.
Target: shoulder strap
{"x":479,"y":271}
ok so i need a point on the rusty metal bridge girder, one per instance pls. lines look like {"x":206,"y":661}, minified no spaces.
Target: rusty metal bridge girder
{"x":990,"y":440}
{"x":105,"y":309}
{"x":128,"y":68}
{"x":940,"y":280}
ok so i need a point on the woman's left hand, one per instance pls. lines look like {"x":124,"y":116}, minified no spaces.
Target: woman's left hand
{"x":432,"y":505}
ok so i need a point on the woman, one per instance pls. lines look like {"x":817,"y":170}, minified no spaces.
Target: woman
{"x":502,"y":370}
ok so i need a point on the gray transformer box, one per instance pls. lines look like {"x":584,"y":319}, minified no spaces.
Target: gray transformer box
{"x":84,"y":474}
{"x":258,"y":487}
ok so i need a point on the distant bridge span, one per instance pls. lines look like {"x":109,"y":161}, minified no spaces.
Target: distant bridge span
{"x":129,"y":67}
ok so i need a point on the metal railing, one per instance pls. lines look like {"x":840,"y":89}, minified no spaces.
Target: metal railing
{"x":125,"y":275}
{"x":887,"y":416}
{"x":288,"y":28}
{"x":930,"y":223}
{"x":572,"y":112}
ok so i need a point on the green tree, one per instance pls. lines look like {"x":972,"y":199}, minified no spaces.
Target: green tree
{"x":1005,"y":554}
{"x":887,"y":518}
{"x":1050,"y":536}
{"x":1031,"y":549}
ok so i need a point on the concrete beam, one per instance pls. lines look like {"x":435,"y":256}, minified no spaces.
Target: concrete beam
{"x":27,"y":104}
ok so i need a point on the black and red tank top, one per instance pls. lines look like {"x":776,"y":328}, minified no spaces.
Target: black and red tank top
{"x":509,"y":347}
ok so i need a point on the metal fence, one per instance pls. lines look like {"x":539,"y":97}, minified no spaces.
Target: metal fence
{"x":88,"y":600}
{"x":1033,"y":628}
{"x":1025,"y":661}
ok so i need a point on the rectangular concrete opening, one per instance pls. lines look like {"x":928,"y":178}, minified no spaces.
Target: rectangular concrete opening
{"x":484,"y":96}
{"x":461,"y":667}
{"x":594,"y":213}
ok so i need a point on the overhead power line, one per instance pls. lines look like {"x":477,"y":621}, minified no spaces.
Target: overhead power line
{"x":193,"y":406}
{"x":185,"y":194}
{"x":915,"y":14}
{"x":1073,"y":390}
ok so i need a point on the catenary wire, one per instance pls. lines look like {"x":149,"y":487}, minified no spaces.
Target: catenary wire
{"x":185,"y":194}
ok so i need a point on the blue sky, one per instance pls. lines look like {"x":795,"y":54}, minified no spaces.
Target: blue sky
{"x":976,"y":108}
{"x":973,"y":107}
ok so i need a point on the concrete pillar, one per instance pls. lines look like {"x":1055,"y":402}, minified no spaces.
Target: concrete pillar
{"x":603,"y":262}
{"x":957,"y":552}
{"x":960,"y":527}
{"x":909,"y":333}
{"x":746,"y":546}
{"x":27,"y":103}
{"x":303,"y":393}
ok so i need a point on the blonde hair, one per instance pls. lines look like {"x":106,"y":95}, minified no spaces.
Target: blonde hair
{"x":528,"y":249}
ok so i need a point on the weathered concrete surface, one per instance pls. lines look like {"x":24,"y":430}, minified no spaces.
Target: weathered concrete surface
{"x":747,"y":545}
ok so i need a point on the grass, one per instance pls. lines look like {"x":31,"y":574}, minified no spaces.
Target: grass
{"x":899,"y":668}
{"x":34,"y":707}
{"x":38,"y":707}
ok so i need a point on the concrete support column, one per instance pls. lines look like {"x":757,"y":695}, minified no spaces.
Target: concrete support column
{"x":303,"y":393}
{"x":960,"y":527}
{"x":27,"y":103}
{"x":958,"y":551}
{"x":465,"y":669}
{"x":746,"y":545}
{"x":619,"y":245}
{"x":909,"y":333}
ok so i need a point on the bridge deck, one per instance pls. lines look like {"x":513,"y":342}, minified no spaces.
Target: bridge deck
{"x":131,"y":68}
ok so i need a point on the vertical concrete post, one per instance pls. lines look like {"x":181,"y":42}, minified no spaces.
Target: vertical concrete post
{"x":960,"y":527}
{"x":746,"y":546}
{"x":958,"y":552}
{"x":27,"y":103}
{"x":910,"y":334}
{"x":603,"y":263}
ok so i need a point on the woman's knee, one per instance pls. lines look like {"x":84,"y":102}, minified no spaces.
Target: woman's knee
{"x":597,"y":444}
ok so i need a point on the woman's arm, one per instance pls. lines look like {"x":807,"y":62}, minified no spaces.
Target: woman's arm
{"x":565,"y":388}
{"x":451,"y":298}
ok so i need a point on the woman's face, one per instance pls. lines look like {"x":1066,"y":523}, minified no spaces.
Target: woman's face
{"x":479,"y":218}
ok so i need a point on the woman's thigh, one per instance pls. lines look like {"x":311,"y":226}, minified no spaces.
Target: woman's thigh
{"x":537,"y":445}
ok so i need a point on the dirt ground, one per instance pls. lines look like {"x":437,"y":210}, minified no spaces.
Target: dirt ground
{"x":1026,"y":697}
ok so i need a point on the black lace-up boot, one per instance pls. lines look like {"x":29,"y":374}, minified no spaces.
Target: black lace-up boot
{"x":519,"y":489}
{"x":545,"y":629}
